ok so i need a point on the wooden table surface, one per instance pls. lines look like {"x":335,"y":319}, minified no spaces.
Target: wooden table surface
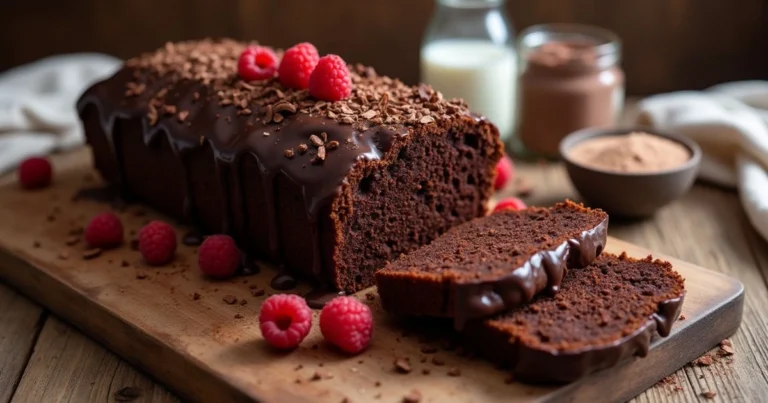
{"x":43,"y":359}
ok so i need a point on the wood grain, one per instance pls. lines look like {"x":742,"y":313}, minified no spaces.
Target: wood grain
{"x":67,"y":366}
{"x":204,"y":351}
{"x":20,"y":322}
{"x":707,"y":227}
{"x":668,"y":44}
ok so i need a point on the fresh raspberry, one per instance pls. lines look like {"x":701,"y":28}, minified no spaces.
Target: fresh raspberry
{"x":256,"y":63}
{"x":347,"y":323}
{"x":505,"y":172}
{"x":35,"y":173}
{"x":510,"y":203}
{"x":330,"y":80}
{"x":218,"y":256}
{"x":297,"y":65}
{"x":157,"y":243}
{"x":285,"y":320}
{"x":104,"y":231}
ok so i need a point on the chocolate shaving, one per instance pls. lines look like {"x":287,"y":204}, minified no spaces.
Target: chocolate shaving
{"x":288,"y":153}
{"x":333,"y":144}
{"x":91,"y":253}
{"x":302,"y":148}
{"x":414,"y":396}
{"x":402,"y":365}
{"x":284,"y":106}
{"x":316,"y":141}
{"x":320,"y":157}
{"x":268,"y":114}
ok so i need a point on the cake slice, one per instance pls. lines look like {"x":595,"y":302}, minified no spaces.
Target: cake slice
{"x":331,"y":191}
{"x":603,"y":314}
{"x":491,"y":264}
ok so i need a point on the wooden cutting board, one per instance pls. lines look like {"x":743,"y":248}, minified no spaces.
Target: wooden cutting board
{"x":208,"y":350}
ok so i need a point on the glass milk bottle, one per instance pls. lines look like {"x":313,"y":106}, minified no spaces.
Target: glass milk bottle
{"x":468,"y":52}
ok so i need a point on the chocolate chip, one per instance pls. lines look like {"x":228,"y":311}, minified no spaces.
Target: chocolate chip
{"x":402,"y":365}
{"x":257,"y":293}
{"x":91,"y":253}
{"x":230,"y":299}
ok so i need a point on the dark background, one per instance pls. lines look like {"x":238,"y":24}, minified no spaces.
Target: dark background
{"x":669,"y":44}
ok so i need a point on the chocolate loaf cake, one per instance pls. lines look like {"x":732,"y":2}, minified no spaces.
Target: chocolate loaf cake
{"x":330,"y":190}
{"x":494,"y":263}
{"x":603,"y":314}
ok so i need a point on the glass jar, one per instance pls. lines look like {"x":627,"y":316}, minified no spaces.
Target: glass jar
{"x":468,"y":52}
{"x":570,"y":79}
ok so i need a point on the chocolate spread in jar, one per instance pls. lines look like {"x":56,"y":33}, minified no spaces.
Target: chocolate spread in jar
{"x":567,"y":86}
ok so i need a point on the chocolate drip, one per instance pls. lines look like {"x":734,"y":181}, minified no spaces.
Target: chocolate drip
{"x":544,"y":269}
{"x":668,"y":313}
{"x":232,"y":134}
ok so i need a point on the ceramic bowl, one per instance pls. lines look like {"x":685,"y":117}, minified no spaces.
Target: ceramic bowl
{"x":630,"y":195}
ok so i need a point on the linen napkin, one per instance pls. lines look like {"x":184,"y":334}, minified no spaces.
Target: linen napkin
{"x":730,"y":123}
{"x":37,"y":104}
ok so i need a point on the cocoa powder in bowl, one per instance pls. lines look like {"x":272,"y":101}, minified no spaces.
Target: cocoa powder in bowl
{"x":637,"y":152}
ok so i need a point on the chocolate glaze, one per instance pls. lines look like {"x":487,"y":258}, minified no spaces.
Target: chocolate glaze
{"x":544,"y":270}
{"x":539,"y":366}
{"x":231,"y":136}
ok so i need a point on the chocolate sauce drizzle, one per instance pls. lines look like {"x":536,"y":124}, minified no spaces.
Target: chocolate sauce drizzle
{"x":232,"y":135}
{"x":544,"y":270}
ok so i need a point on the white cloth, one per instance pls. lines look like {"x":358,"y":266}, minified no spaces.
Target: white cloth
{"x":37,"y":104}
{"x":730,"y":123}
